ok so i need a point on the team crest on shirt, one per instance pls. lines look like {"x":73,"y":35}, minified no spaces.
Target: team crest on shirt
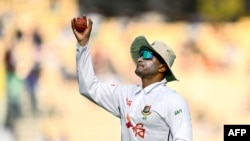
{"x":146,"y":111}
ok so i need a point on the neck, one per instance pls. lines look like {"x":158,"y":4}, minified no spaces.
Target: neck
{"x":147,"y":82}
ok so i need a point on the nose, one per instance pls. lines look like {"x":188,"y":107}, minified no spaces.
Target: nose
{"x":140,"y":59}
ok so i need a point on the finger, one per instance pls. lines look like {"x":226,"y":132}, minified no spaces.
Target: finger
{"x":84,"y":18}
{"x":84,"y":15}
{"x":89,"y":27}
{"x":73,"y":27}
{"x":90,"y":23}
{"x":72,"y":23}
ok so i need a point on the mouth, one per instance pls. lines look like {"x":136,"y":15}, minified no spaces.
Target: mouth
{"x":139,"y":65}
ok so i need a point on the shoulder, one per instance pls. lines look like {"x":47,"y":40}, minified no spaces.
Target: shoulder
{"x":171,"y":97}
{"x":167,"y":92}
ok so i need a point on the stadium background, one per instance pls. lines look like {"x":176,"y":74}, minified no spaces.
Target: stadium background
{"x":211,"y":40}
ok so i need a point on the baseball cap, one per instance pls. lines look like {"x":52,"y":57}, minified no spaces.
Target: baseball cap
{"x":163,"y":50}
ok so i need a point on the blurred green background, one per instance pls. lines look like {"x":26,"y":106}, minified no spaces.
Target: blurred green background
{"x":39,"y":94}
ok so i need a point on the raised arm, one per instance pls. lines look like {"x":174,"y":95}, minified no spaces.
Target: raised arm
{"x":89,"y":86}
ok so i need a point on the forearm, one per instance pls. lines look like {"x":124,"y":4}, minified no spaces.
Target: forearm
{"x":85,"y":72}
{"x":89,"y":86}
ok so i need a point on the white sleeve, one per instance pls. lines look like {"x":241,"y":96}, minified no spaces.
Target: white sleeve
{"x":179,"y":119}
{"x":100,"y":93}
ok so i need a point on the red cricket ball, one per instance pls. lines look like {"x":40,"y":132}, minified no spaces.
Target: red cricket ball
{"x":80,"y":23}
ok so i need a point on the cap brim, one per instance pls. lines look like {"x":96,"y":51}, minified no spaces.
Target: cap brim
{"x":139,"y":43}
{"x":171,"y":76}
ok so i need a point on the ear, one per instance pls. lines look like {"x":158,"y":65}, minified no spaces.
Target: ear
{"x":163,"y":68}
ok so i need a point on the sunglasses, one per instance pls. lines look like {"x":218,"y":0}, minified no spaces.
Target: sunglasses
{"x":146,"y":54}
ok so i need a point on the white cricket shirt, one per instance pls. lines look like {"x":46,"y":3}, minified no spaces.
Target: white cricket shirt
{"x":155,"y":113}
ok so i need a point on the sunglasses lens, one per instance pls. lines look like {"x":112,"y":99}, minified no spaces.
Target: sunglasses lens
{"x":146,"y":54}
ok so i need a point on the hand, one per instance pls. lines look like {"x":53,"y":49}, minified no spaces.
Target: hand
{"x":82,"y":37}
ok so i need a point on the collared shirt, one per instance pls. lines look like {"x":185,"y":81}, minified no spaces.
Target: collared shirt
{"x":155,"y":113}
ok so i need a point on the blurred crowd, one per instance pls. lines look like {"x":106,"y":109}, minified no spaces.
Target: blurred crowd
{"x":39,"y":95}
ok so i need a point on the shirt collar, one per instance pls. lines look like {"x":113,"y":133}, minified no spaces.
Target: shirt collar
{"x":152,"y":86}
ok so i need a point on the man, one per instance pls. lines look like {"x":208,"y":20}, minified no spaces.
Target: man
{"x":150,"y":112}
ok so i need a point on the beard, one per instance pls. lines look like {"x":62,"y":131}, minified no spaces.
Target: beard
{"x":139,"y":73}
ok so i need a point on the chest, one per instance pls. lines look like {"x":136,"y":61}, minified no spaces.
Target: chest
{"x":146,"y":110}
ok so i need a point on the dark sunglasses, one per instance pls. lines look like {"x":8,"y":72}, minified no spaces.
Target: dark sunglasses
{"x":146,"y":54}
